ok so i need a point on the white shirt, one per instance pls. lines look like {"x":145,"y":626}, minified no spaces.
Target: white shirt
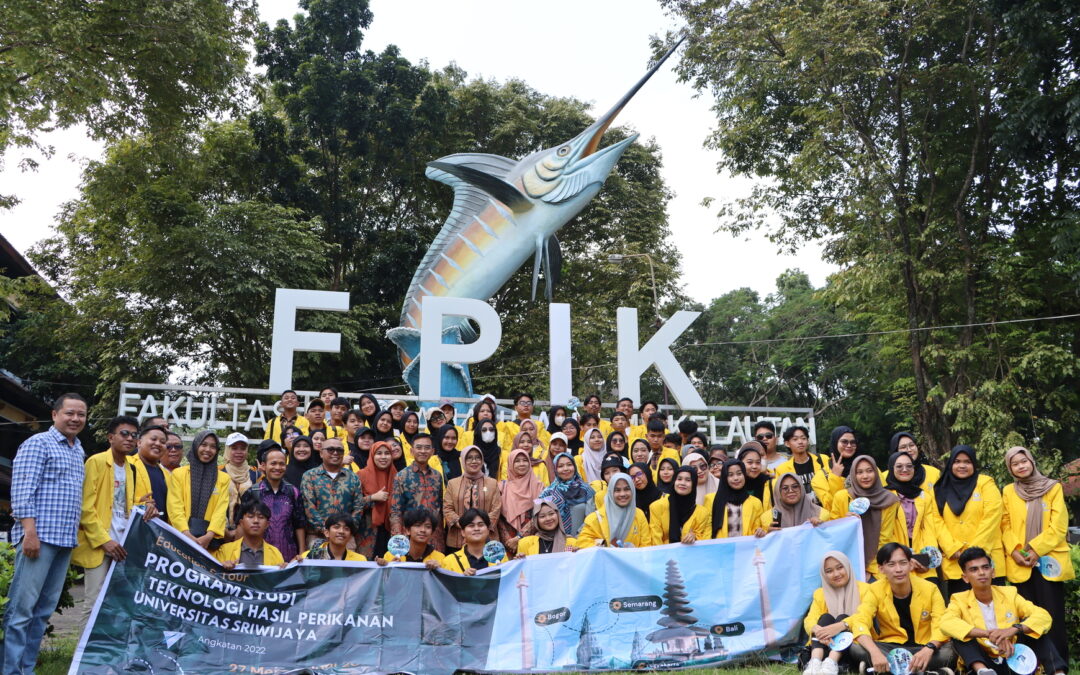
{"x":118,"y":522}
{"x":989,"y":618}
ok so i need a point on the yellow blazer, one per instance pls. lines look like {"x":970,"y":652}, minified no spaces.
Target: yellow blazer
{"x":752,"y":512}
{"x":180,"y":501}
{"x":596,"y":527}
{"x":1052,"y":541}
{"x":274,"y":427}
{"x":819,"y":483}
{"x":457,"y":562}
{"x":660,"y":522}
{"x":927,"y":609}
{"x":927,"y":524}
{"x":531,"y":545}
{"x":231,"y":551}
{"x":97,"y":508}
{"x":818,"y":607}
{"x":437,"y":556}
{"x":979,"y":525}
{"x":350,"y":556}
{"x":1010,"y":607}
{"x":893,"y":527}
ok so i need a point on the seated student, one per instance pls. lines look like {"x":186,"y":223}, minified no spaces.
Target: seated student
{"x":883,"y":522}
{"x":550,"y":536}
{"x":419,"y":525}
{"x":339,"y":528}
{"x":838,"y":599}
{"x":249,"y":548}
{"x":476,"y":526}
{"x":198,"y":498}
{"x":986,"y":622}
{"x":672,"y":518}
{"x":619,"y":523}
{"x":900,"y":610}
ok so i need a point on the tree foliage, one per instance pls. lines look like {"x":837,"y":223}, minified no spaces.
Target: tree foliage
{"x":933,"y":146}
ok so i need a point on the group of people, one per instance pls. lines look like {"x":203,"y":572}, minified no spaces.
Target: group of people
{"x":335,"y":481}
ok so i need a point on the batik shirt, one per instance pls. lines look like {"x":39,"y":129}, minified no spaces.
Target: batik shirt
{"x":324,"y":495}
{"x":413,"y":488}
{"x":286,"y":515}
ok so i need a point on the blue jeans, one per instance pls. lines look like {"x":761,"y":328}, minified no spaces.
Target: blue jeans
{"x":35,"y":590}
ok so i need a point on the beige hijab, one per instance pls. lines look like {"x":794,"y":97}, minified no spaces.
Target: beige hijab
{"x":844,"y":600}
{"x":1031,"y":490}
{"x":802,"y":511}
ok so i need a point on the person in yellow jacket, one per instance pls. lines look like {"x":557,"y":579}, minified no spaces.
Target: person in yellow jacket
{"x":970,"y":508}
{"x":550,"y":536}
{"x":832,"y":606}
{"x":1034,"y":525}
{"x":523,"y":406}
{"x":677,"y":517}
{"x":249,"y":548}
{"x":904,"y":441}
{"x":151,"y":476}
{"x":419,"y":525}
{"x":620,"y":524}
{"x":108,"y":497}
{"x":199,"y":493}
{"x":339,"y":529}
{"x":883,"y":521}
{"x":469,"y":559}
{"x":900,"y":610}
{"x":987,"y":622}
{"x":811,"y":469}
{"x":907,"y":480}
{"x":289,"y":417}
{"x":732,"y":511}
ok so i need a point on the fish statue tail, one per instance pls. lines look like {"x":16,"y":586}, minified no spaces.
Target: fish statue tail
{"x":455,"y":379}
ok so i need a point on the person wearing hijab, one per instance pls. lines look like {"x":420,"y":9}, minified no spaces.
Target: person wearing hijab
{"x":645,"y":492}
{"x":793,"y":506}
{"x":883,"y":521}
{"x":199,"y":494}
{"x":616,"y":442}
{"x":619,"y":524}
{"x":732,"y":511}
{"x":550,"y":536}
{"x":473,"y":489}
{"x":567,"y":491}
{"x":752,"y":455}
{"x":907,"y":480}
{"x":369,"y":410}
{"x":539,"y":455}
{"x":485,"y":436}
{"x":484,"y":410}
{"x":904,"y":441}
{"x":611,"y":465}
{"x":525,"y":440}
{"x":519,"y":491}
{"x":557,"y":417}
{"x":837,"y":599}
{"x":384,"y":426}
{"x":377,"y":482}
{"x":445,"y":440}
{"x":1034,"y":524}
{"x":592,"y":455}
{"x":302,"y":458}
{"x":665,"y":475}
{"x":572,"y":429}
{"x":970,"y":507}
{"x":677,"y":517}
{"x":410,"y":426}
{"x":707,"y":483}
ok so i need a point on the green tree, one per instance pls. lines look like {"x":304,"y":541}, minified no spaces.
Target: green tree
{"x":884,"y":127}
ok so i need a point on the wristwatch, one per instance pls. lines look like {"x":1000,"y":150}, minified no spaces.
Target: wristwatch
{"x":1020,"y":628}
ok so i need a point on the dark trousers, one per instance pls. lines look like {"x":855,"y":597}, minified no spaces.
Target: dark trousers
{"x":971,"y":651}
{"x":382,"y":538}
{"x":945,"y":657}
{"x":1050,"y":595}
{"x":825,"y":620}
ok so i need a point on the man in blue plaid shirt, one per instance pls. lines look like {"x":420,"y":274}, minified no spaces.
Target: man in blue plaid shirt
{"x":46,"y":502}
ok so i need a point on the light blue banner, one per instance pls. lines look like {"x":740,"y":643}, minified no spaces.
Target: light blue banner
{"x":665,"y":606}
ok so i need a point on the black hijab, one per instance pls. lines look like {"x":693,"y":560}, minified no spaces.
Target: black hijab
{"x":910,"y":489}
{"x":552,"y":427}
{"x":451,"y":459}
{"x":380,"y":436}
{"x":203,"y":476}
{"x":648,"y":494}
{"x":668,"y":487}
{"x":625,"y":452}
{"x":492,"y":451}
{"x":369,"y":421}
{"x":725,"y":494}
{"x":575,"y":444}
{"x":296,"y":469}
{"x":754,"y":486}
{"x":681,"y":507}
{"x":474,"y":419}
{"x":956,"y":491}
{"x":834,"y":440}
{"x":404,"y":418}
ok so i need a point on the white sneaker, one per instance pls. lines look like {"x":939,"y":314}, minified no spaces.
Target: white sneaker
{"x":829,"y":667}
{"x":814,"y":667}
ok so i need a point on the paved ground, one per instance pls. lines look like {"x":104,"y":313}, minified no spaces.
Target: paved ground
{"x":69,"y":624}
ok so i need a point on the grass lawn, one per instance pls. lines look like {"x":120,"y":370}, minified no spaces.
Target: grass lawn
{"x":55,"y":656}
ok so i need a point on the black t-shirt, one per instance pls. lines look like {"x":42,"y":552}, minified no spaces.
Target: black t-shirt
{"x":159,"y":488}
{"x":804,"y":473}
{"x":903,"y":608}
{"x":475,"y":563}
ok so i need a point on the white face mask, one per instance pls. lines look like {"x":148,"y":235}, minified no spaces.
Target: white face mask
{"x":488,"y":436}
{"x":559,"y":419}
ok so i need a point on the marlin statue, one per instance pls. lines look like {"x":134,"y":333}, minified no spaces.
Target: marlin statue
{"x":504,"y":211}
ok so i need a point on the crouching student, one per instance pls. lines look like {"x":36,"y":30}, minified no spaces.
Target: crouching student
{"x":900,"y":610}
{"x":550,"y":536}
{"x":250,"y":549}
{"x":469,"y":559}
{"x":419,"y":524}
{"x":836,"y":601}
{"x":339,"y":529}
{"x":986,"y":622}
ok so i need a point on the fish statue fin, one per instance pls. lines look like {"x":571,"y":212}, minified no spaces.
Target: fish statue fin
{"x":496,"y":165}
{"x":494,"y":186}
{"x":455,"y":379}
{"x":549,"y":258}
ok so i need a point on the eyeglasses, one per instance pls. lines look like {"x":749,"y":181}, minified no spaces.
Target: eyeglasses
{"x":843,"y":442}
{"x":903,"y":467}
{"x":790,"y":488}
{"x":525,"y":404}
{"x":174,"y":446}
{"x":765,"y":437}
{"x":421,"y":447}
{"x":619,"y":441}
{"x":124,"y":433}
{"x":333,"y":450}
{"x":907,"y":446}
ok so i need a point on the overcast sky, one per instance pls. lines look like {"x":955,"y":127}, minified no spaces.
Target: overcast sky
{"x":590,"y":49}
